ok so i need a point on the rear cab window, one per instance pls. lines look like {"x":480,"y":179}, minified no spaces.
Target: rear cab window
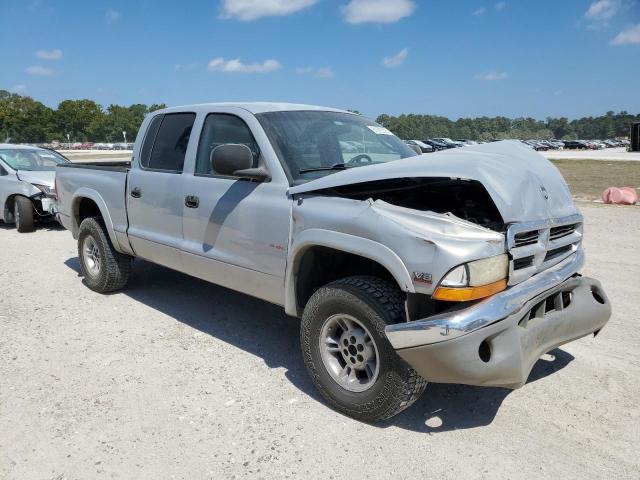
{"x":165,"y":143}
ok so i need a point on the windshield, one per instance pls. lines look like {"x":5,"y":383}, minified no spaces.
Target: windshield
{"x":31,"y":159}
{"x":312,"y":144}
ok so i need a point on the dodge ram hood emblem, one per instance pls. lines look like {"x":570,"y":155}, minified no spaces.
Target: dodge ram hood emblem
{"x":544,"y":192}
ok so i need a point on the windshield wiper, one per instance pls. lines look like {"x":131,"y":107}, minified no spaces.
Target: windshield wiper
{"x":335,"y":166}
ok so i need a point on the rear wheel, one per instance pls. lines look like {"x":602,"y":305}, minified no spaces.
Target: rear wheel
{"x":346,"y":351}
{"x":23,"y":214}
{"x":104,"y":268}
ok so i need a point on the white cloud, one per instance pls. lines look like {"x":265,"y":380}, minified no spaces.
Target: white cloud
{"x":626,"y":37}
{"x":377,"y":11}
{"x":602,"y":10}
{"x":479,"y":11}
{"x":18,"y":89}
{"x":396,"y":60}
{"x":236,"y":66}
{"x":491,"y":76}
{"x":55,"y":54}
{"x":185,"y":67}
{"x":558,"y":93}
{"x":39,"y":70}
{"x":500,"y":6}
{"x":322,"y":72}
{"x":112,"y":15}
{"x":325,"y":72}
{"x":247,"y":10}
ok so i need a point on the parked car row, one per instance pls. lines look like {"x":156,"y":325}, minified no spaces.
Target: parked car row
{"x":96,"y":146}
{"x":437,"y":144}
{"x":544,"y":145}
{"x":444,"y":143}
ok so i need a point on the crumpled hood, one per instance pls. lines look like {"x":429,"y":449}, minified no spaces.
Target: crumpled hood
{"x":47,"y":178}
{"x":524,"y":185}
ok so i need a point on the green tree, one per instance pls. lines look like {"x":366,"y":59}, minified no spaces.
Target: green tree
{"x":74,"y":117}
{"x":156,"y":106}
{"x":24,"y":120}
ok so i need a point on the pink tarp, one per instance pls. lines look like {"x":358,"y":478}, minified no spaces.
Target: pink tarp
{"x":620,"y":195}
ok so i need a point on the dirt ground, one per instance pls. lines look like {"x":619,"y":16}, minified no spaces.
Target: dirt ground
{"x":177,"y":378}
{"x":587,"y":179}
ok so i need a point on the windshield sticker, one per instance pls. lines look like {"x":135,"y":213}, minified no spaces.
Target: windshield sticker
{"x":379,"y":130}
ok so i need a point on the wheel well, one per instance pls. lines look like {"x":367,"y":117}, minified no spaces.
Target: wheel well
{"x":9,"y":203}
{"x":86,"y":208}
{"x":322,"y":265}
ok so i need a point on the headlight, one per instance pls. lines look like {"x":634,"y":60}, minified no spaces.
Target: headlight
{"x":45,"y":189}
{"x":474,"y":280}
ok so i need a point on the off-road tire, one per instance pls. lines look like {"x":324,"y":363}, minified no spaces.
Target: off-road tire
{"x":115,"y":267}
{"x":375,"y":303}
{"x":23,"y":214}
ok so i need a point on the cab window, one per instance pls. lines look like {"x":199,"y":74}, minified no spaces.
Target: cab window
{"x":170,"y":144}
{"x":221,"y":129}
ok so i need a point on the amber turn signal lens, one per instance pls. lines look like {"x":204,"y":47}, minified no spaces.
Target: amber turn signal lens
{"x":465,"y":294}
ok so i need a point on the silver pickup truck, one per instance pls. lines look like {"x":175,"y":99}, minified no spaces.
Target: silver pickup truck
{"x":459,"y":266}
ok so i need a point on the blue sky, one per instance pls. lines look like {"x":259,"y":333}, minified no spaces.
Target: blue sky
{"x":464,"y":58}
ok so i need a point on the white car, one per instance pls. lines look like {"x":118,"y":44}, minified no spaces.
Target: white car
{"x":424,"y":148}
{"x":27,"y":191}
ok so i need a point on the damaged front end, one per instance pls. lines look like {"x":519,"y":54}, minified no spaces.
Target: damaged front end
{"x":495,"y":226}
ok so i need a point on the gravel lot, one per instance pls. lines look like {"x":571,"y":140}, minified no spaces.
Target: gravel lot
{"x":177,"y":378}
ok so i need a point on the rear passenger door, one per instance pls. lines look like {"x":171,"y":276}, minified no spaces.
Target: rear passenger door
{"x":154,"y":191}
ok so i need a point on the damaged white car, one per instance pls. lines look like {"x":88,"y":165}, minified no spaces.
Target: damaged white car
{"x":27,"y":191}
{"x":459,"y":266}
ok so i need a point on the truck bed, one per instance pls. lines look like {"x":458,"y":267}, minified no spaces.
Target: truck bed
{"x":103,"y":183}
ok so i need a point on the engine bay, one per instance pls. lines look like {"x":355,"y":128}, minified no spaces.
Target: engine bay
{"x":466,"y":199}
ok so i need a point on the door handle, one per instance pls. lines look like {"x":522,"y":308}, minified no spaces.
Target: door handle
{"x":136,"y":192}
{"x":191,"y":201}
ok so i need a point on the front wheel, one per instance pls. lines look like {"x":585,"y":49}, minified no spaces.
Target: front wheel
{"x":104,"y":268}
{"x":346,"y":351}
{"x":23,"y":214}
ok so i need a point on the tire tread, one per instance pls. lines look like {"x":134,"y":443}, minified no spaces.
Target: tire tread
{"x":117,"y":266}
{"x":406,"y":384}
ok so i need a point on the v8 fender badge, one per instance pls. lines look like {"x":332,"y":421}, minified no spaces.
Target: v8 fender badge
{"x":421,"y":277}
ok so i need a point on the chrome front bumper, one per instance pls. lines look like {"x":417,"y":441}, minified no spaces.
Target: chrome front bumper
{"x":497,"y":341}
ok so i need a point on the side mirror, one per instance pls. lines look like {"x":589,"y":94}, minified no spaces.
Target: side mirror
{"x":236,"y":160}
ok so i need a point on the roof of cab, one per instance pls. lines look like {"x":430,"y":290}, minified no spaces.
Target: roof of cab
{"x":254,"y":107}
{"x":19,"y":147}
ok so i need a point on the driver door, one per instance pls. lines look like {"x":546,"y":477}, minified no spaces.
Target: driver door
{"x":235,"y":230}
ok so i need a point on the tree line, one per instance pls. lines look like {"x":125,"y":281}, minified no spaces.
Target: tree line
{"x":25,"y":120}
{"x":420,"y":127}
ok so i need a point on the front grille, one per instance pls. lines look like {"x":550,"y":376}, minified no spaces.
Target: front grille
{"x":523,"y":262}
{"x":559,"y":232}
{"x":526,"y":238}
{"x":536,"y":246}
{"x":556,"y":252}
